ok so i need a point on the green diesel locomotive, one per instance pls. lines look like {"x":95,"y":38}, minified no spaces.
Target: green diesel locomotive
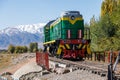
{"x":66,"y":36}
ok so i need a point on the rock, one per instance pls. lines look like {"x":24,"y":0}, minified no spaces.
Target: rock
{"x":44,"y":72}
{"x":53,"y":64}
{"x":61,"y":70}
{"x":66,"y":70}
{"x":62,"y":65}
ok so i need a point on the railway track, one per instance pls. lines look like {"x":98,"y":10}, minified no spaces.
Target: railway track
{"x":93,"y":67}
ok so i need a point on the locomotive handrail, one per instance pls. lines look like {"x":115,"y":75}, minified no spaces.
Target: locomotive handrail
{"x":49,"y":42}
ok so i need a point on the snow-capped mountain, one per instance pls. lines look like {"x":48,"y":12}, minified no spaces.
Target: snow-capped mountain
{"x":34,"y":28}
{"x":21,"y":35}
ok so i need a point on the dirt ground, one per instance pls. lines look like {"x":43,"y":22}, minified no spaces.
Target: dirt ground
{"x":12,"y":62}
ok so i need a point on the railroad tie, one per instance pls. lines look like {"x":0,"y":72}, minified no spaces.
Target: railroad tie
{"x":103,"y":74}
{"x":80,"y":68}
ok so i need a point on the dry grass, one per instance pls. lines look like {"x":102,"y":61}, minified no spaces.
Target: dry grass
{"x":5,"y":60}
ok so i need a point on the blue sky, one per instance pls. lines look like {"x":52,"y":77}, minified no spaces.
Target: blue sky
{"x":22,"y":12}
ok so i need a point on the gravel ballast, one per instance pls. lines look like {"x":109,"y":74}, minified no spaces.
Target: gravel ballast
{"x":75,"y":75}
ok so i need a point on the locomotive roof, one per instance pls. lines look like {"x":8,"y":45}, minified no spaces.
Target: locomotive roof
{"x":49,"y":23}
{"x":70,"y":13}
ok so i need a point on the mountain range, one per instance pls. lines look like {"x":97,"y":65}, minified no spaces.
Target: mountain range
{"x":21,"y":35}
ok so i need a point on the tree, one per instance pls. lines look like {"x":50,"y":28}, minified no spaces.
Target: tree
{"x":105,"y":32}
{"x":95,"y":33}
{"x":25,"y":49}
{"x":108,"y":6}
{"x":33,"y":47}
{"x":108,"y":26}
{"x":11,"y":48}
{"x":18,"y":49}
{"x":21,"y":49}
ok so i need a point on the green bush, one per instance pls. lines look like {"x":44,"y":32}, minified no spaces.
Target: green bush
{"x":11,"y":48}
{"x":33,"y":47}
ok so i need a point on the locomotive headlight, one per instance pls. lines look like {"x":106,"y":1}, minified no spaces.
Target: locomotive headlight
{"x":72,"y":17}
